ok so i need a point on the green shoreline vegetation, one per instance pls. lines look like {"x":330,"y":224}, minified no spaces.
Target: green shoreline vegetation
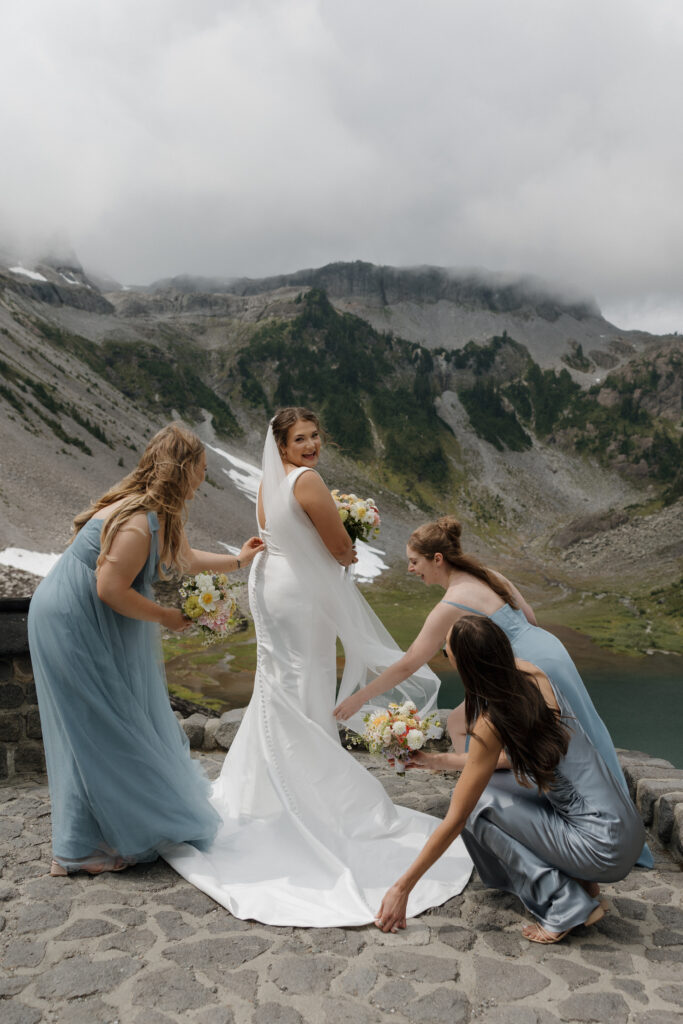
{"x":619,"y":624}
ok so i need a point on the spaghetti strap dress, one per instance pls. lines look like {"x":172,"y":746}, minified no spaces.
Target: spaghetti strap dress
{"x":537,"y":845}
{"x":122,"y":783}
{"x":541,"y":648}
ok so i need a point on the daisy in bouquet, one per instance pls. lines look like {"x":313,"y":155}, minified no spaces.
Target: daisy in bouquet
{"x":398,"y":732}
{"x":206,"y":599}
{"x":359,"y":515}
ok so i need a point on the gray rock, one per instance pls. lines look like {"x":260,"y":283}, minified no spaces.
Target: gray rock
{"x":40,"y":917}
{"x":667,"y":937}
{"x":595,"y":1008}
{"x":222,"y":953}
{"x":636,"y":910}
{"x":152,"y":1017}
{"x":215,"y":1015}
{"x":648,"y":791}
{"x":418,"y":966}
{"x":617,"y":929}
{"x":657,"y":1017}
{"x":608,"y":958}
{"x":394,"y":995}
{"x":193,"y":727}
{"x":173,"y":990}
{"x":347,"y":941}
{"x":359,"y":980}
{"x":127,"y":915}
{"x":130,"y":940}
{"x":242,"y":983}
{"x":189,"y":899}
{"x":12,"y":985}
{"x":19,"y":1013}
{"x":456,"y":937}
{"x":442,"y":1004}
{"x":85,"y":928}
{"x":635,"y":772}
{"x":82,"y":976}
{"x":173,"y":926}
{"x":572,"y":973}
{"x":496,"y":980}
{"x":24,"y":953}
{"x":210,"y":729}
{"x":274,"y":1013}
{"x":505,"y":943}
{"x":226,"y":730}
{"x":302,"y":975}
{"x":348,"y":1012}
{"x":517,"y":1015}
{"x":91,"y":1010}
{"x":671,"y":994}
{"x":633,"y":988}
{"x":665,"y":814}
{"x":670,"y":915}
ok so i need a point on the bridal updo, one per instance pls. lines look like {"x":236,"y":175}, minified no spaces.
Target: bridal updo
{"x":443,"y":537}
{"x":284,"y":419}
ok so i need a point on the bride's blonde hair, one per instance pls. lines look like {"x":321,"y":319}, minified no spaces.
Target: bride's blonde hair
{"x":159,"y":483}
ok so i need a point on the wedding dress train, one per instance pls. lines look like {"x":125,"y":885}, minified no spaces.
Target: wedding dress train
{"x":308,"y":836}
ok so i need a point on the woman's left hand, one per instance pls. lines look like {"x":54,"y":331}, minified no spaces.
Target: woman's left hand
{"x":250,"y":549}
{"x":392,"y":913}
{"x":349,"y":707}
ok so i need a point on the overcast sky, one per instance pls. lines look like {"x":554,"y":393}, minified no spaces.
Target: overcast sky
{"x":251,"y":137}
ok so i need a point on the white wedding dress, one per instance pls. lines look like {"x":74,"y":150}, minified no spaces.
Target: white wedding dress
{"x":308,"y":836}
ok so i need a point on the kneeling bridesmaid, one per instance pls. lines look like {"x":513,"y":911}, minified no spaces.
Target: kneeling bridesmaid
{"x":551,"y":829}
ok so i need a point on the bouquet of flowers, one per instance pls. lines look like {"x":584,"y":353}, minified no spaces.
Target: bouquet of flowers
{"x":359,"y":516}
{"x":207,"y":601}
{"x":399,"y":731}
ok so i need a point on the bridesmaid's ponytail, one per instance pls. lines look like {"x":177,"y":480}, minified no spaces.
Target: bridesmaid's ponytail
{"x":443,"y":536}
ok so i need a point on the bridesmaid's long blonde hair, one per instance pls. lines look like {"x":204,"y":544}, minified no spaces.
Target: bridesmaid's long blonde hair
{"x":159,"y":483}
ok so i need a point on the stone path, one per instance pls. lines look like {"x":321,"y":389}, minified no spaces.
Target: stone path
{"x":144,"y":947}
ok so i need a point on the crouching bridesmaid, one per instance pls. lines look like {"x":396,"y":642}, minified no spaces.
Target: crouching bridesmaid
{"x":551,"y":829}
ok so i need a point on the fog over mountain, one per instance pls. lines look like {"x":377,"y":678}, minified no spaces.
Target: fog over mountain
{"x":250,"y":138}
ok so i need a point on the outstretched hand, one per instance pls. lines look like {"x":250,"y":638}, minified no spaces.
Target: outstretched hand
{"x":348,"y":708}
{"x":392,"y":913}
{"x":250,"y":549}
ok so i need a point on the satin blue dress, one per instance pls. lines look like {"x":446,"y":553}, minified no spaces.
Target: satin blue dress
{"x":536,"y":845}
{"x":545,"y":651}
{"x":122,"y":783}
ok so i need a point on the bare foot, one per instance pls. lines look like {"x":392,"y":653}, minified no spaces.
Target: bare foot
{"x":537,"y":933}
{"x":99,"y":869}
{"x":592,"y":888}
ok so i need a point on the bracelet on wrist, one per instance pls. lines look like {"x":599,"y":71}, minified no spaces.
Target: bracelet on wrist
{"x":239,"y":564}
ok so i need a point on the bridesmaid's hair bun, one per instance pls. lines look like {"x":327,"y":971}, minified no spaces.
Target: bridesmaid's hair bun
{"x":450,"y":526}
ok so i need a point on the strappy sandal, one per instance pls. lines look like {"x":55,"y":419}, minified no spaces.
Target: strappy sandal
{"x":100,"y":869}
{"x":547,"y":938}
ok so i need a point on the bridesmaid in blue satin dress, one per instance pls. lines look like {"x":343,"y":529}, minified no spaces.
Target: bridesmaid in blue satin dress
{"x":554,"y":826}
{"x":435,"y":556}
{"x":122,"y":783}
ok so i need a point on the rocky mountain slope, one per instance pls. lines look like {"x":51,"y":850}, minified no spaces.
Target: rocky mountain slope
{"x":506,"y":425}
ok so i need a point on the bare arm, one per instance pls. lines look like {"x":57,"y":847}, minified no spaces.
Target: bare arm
{"x":128,"y":553}
{"x":318,"y":504}
{"x":426,"y":644}
{"x":208,"y":561}
{"x":478,"y":770}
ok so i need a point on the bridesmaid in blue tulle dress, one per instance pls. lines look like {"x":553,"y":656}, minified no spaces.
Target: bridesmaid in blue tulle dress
{"x":436,"y":557}
{"x":549,"y":830}
{"x":122,"y":783}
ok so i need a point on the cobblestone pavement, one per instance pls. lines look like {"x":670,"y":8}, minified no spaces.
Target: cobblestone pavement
{"x":145,"y":947}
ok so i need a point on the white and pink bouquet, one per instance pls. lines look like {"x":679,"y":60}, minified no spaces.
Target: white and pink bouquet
{"x":359,"y":515}
{"x":398,"y":732}
{"x":206,"y":599}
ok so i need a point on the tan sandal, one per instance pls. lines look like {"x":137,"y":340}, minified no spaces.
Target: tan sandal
{"x":57,"y":870}
{"x":539,"y":933}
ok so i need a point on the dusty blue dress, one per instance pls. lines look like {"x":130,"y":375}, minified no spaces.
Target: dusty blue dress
{"x":121,"y":779}
{"x":545,"y":651}
{"x":536,"y":845}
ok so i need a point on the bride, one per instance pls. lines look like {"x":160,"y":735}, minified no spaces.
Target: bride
{"x":308,"y":836}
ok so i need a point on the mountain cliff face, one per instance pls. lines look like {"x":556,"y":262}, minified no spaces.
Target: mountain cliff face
{"x":518,"y":447}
